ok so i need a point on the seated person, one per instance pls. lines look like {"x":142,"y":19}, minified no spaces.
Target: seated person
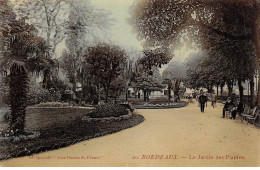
{"x":227,"y":105}
{"x":239,"y":109}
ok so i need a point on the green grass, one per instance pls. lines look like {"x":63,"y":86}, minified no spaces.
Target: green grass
{"x":60,"y":128}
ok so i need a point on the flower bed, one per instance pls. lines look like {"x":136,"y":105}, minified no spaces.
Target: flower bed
{"x":162,"y":105}
{"x":8,"y":137}
{"x":108,"y":110}
{"x":107,"y":119}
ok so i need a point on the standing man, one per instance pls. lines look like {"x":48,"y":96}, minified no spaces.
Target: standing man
{"x":202,"y":100}
{"x":214,"y":99}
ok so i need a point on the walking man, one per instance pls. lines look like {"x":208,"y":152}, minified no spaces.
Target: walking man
{"x":213,"y":99}
{"x":202,"y":100}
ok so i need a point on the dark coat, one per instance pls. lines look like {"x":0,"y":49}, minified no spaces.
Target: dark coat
{"x":240,"y":107}
{"x":228,"y":104}
{"x":203,"y":99}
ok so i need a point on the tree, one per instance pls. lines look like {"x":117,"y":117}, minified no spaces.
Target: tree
{"x":69,"y":64}
{"x":48,"y":17}
{"x":24,"y":52}
{"x":176,"y":72}
{"x":131,"y":68}
{"x":105,"y":63}
{"x":156,"y":57}
{"x":118,"y":86}
{"x":148,"y":82}
{"x":229,"y":63}
{"x":83,"y":28}
{"x":207,"y":23}
{"x":235,"y":61}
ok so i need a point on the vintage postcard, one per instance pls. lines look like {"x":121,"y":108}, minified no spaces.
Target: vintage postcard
{"x":129,"y":83}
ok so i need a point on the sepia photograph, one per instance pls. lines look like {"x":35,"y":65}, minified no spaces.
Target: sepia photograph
{"x":129,"y":83}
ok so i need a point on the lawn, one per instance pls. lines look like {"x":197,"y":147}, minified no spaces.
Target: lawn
{"x":60,"y":127}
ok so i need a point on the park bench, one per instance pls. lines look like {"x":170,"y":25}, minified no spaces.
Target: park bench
{"x":253,"y":118}
{"x":245,"y":113}
{"x":248,"y":114}
{"x":257,"y":125}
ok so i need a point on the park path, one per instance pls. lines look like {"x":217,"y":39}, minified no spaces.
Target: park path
{"x":182,"y":132}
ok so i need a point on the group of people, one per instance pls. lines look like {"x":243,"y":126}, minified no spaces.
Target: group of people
{"x":203,"y":99}
{"x":233,"y":108}
{"x":229,"y":104}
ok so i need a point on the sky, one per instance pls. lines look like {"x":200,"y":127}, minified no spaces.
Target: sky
{"x":121,"y":30}
{"x":121,"y":33}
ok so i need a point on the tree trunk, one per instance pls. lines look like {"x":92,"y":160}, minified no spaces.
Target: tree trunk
{"x":241,"y":90}
{"x":229,"y":89}
{"x":126,"y":95}
{"x":217,"y":90}
{"x":221,"y":90}
{"x":107,"y":88}
{"x":169,"y":93}
{"x":252,"y":91}
{"x":18,"y":98}
{"x":99,"y":92}
{"x":208,"y":88}
{"x":46,"y":79}
{"x":177,"y":88}
{"x":106,"y":97}
{"x":256,"y":41}
{"x":145,"y":95}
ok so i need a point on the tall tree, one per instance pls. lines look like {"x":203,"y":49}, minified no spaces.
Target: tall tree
{"x":154,"y":57}
{"x":230,"y":63}
{"x":82,"y":31}
{"x":176,"y":73}
{"x":24,"y":52}
{"x":48,"y":17}
{"x":148,"y":82}
{"x":105,"y":63}
{"x":163,"y":23}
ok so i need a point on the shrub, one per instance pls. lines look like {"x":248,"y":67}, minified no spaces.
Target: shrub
{"x":108,"y":110}
{"x":40,"y":95}
{"x":68,"y":95}
{"x":36,"y":94}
